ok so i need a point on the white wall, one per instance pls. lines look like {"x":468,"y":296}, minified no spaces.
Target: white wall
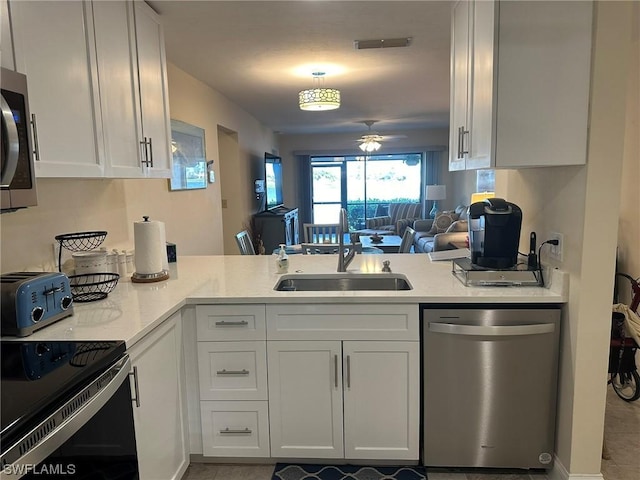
{"x":193,"y":218}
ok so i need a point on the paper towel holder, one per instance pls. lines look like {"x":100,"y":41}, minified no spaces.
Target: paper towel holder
{"x":149,"y":277}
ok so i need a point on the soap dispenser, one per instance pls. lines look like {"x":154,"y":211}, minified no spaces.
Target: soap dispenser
{"x":282,"y":260}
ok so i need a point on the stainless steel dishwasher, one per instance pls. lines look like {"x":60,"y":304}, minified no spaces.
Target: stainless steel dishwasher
{"x":490,"y":383}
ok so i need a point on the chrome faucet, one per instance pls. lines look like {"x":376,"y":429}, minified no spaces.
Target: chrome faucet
{"x":344,"y":260}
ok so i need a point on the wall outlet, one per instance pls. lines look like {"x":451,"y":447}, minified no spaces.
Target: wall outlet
{"x":555,"y":251}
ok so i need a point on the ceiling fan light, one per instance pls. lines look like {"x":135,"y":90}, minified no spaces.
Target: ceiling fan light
{"x":318,"y":99}
{"x":370,"y":146}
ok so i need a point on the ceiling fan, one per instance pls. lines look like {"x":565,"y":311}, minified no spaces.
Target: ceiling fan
{"x":370,"y":142}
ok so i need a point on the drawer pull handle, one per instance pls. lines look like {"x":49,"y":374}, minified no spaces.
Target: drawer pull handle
{"x":233,"y":372}
{"x":227,"y":430}
{"x":225,"y":323}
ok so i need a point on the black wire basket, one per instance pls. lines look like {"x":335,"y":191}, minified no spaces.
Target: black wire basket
{"x":92,"y":286}
{"x":81,"y":241}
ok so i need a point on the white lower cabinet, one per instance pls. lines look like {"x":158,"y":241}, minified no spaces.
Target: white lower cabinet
{"x":381,"y":400}
{"x":159,"y":413}
{"x":235,"y":428}
{"x":305,"y":399}
{"x":232,"y":376}
{"x":312,"y":381}
{"x":351,"y":399}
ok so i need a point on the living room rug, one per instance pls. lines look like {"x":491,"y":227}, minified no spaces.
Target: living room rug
{"x":291,"y":471}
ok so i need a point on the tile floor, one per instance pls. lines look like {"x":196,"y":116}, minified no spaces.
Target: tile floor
{"x":621,"y":432}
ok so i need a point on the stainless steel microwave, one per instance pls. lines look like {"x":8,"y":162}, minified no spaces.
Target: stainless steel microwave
{"x":17,"y":178}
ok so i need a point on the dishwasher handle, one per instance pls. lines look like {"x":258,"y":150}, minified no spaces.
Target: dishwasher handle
{"x":491,"y":330}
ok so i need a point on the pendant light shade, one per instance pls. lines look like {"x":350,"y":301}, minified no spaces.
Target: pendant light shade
{"x":319,"y":98}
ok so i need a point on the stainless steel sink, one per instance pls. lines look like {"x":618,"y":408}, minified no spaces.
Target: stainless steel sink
{"x":342,"y":282}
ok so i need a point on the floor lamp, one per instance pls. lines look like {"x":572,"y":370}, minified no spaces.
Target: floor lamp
{"x":435,"y":193}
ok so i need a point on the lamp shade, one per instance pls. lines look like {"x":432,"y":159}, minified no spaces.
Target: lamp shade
{"x":435,"y":192}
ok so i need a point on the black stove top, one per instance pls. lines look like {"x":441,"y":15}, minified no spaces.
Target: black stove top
{"x":37,"y":376}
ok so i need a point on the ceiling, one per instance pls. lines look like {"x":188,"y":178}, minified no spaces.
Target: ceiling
{"x":260,"y":54}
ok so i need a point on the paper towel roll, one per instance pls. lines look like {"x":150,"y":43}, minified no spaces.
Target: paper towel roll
{"x":150,"y":245}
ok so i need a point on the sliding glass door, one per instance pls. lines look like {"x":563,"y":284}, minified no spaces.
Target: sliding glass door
{"x":327,"y":181}
{"x":364,"y":185}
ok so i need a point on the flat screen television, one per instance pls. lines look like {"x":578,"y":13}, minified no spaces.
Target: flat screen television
{"x":273,"y":181}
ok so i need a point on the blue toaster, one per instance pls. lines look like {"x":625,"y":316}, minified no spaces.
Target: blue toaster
{"x":32,"y":300}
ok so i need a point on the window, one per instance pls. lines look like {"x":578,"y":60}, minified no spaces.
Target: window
{"x":364,"y":185}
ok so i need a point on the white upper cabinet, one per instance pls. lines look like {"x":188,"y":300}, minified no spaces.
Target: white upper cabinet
{"x":97,"y":81}
{"x":53,"y":43}
{"x":520,"y":76}
{"x":118,"y":73}
{"x":6,"y":42}
{"x":154,"y":99}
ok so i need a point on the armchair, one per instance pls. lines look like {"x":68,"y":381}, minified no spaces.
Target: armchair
{"x":401,"y":215}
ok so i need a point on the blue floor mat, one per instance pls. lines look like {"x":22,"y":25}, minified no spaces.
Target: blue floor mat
{"x":290,"y":471}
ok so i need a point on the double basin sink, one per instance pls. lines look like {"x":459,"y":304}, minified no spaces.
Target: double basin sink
{"x":342,"y":282}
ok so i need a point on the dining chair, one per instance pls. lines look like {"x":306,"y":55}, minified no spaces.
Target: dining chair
{"x":407,"y":240}
{"x":320,"y":232}
{"x":244,"y":243}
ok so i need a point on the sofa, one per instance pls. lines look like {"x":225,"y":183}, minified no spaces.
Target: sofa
{"x":436,"y":234}
{"x":401,"y":216}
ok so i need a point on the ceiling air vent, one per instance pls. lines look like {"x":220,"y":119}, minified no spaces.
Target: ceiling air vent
{"x":382,"y":43}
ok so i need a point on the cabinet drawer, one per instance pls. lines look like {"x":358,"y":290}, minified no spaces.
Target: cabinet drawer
{"x":342,"y":322}
{"x":235,"y":429}
{"x":232,"y":370}
{"x":230,"y":322}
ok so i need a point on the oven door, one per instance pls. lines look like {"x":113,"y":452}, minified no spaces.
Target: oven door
{"x":90,"y":436}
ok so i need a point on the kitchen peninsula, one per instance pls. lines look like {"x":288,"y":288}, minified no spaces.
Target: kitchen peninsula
{"x":227,"y":369}
{"x":132,"y":310}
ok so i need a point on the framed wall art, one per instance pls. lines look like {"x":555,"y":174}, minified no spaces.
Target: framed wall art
{"x":189,"y":170}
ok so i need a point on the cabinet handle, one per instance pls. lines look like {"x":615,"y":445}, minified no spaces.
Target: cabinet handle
{"x":464,"y":151}
{"x":232,"y":372}
{"x":36,"y":144}
{"x":227,"y":430}
{"x":150,"y":162}
{"x":460,"y":130}
{"x":348,"y":371}
{"x":143,"y":145}
{"x":335,"y":371}
{"x":147,"y":152}
{"x":136,"y":390}
{"x":225,"y":323}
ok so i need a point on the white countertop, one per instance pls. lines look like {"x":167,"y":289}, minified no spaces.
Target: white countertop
{"x":133,"y":309}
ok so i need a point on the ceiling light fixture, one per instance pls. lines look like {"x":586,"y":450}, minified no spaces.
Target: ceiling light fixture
{"x":319,"y":98}
{"x":371,"y":141}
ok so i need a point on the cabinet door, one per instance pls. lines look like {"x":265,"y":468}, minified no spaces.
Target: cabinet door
{"x":549,"y":80}
{"x":117,"y":67}
{"x":54,"y":47}
{"x":154,"y":98}
{"x":481,"y":90}
{"x":160,"y":418}
{"x":459,"y":85}
{"x":6,"y":40}
{"x":381,"y":400}
{"x":305,"y":399}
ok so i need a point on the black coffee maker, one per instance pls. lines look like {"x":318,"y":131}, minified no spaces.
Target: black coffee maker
{"x":494,"y":233}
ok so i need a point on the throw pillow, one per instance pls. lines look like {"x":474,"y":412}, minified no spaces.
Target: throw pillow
{"x":443,"y":221}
